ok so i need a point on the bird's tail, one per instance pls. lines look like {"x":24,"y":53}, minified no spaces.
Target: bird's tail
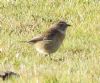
{"x":23,"y":41}
{"x":26,"y":42}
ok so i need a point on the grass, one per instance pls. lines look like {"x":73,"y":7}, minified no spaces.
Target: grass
{"x":22,"y":19}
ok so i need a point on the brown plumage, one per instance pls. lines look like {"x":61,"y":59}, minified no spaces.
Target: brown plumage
{"x":50,"y":41}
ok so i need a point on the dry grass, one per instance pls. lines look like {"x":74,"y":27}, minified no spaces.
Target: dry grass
{"x":22,"y":19}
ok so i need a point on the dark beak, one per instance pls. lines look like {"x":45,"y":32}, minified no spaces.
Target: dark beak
{"x":68,"y":25}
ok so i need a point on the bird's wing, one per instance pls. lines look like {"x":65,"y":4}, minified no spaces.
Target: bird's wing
{"x":50,"y":35}
{"x":47,"y":36}
{"x":35,"y":39}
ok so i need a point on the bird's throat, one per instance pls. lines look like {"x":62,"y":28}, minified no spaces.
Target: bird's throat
{"x":61,"y":31}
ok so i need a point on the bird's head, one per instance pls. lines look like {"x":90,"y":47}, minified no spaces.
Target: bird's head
{"x":62,"y":25}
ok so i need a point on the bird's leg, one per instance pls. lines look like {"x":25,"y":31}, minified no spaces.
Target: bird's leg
{"x":46,"y":55}
{"x":55,"y":59}
{"x":50,"y":57}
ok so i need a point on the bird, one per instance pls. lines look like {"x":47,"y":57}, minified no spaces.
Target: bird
{"x":8,"y":74}
{"x":49,"y":41}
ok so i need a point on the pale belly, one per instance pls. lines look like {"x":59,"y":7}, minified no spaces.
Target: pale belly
{"x":47,"y":46}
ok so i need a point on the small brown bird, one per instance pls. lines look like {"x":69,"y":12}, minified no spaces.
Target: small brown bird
{"x":50,"y":41}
